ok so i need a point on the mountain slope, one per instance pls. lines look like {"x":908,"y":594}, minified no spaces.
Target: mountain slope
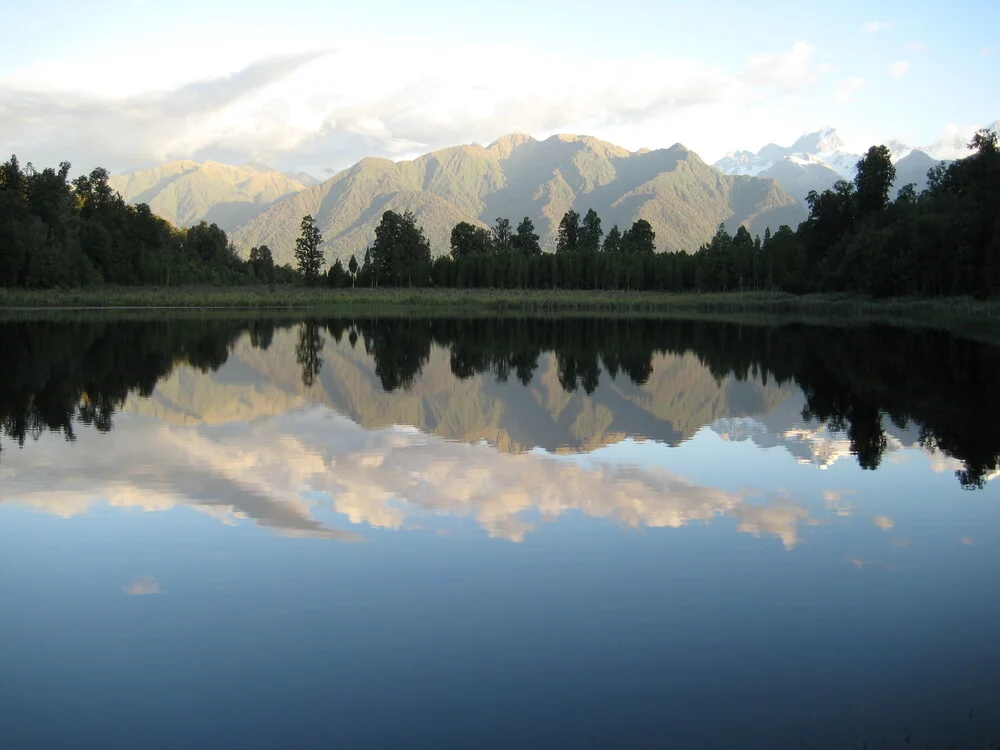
{"x":682,"y":197}
{"x":186,"y":192}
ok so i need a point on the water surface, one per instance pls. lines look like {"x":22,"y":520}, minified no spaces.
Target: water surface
{"x":270,"y":532}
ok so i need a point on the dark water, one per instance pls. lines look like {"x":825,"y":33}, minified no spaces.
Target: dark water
{"x":219,"y":532}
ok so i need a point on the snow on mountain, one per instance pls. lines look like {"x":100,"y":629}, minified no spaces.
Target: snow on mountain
{"x":818,"y":159}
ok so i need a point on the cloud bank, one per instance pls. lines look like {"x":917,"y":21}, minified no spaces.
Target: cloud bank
{"x":307,"y":111}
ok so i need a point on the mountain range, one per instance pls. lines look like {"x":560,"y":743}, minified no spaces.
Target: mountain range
{"x":816,"y":160}
{"x":681,"y":196}
{"x":186,"y":192}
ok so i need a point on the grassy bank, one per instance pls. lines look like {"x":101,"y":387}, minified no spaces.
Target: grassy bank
{"x":255,"y":297}
{"x":972,"y":317}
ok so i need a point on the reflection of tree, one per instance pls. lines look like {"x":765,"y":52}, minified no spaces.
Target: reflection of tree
{"x":82,"y":371}
{"x":307,"y":352}
{"x":852,"y":378}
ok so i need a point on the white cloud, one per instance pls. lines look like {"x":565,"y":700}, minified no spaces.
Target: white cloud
{"x":302,"y":111}
{"x":848,"y":88}
{"x":987,"y":51}
{"x":917,"y":47}
{"x":899,"y":68}
{"x":873,"y":27}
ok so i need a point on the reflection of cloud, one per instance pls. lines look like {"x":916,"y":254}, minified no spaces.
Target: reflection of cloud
{"x":145,"y":586}
{"x":883,"y":522}
{"x":967,"y":541}
{"x":834,"y":500}
{"x":266,"y":471}
{"x":900,"y":542}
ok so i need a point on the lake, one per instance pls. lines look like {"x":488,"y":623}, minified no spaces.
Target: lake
{"x":259,"y":532}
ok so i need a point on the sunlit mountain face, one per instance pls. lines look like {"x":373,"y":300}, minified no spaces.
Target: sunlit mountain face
{"x":257,"y":531}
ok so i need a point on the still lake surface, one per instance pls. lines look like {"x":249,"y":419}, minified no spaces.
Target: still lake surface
{"x":551,"y":533}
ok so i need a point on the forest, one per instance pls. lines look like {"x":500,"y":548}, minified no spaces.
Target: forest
{"x":943,"y":241}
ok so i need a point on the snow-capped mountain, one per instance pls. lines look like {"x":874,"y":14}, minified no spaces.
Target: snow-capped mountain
{"x":817,"y":160}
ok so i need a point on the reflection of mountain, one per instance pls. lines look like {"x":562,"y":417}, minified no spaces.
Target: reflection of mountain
{"x":811,"y":441}
{"x":582,"y":383}
{"x":679,"y":398}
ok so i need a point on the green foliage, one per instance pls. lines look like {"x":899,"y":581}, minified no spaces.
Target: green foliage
{"x":591,"y":232}
{"x":58,"y":233}
{"x":401,"y":254}
{"x":525,"y":241}
{"x":468,"y":239}
{"x":639,"y":238}
{"x":569,"y":233}
{"x":874,"y":179}
{"x":307,"y":252}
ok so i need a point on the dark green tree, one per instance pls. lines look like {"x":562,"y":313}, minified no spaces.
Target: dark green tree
{"x":307,"y":252}
{"x":468,"y":240}
{"x":591,"y":232}
{"x":352,"y":269}
{"x":613,"y":241}
{"x":640,"y":238}
{"x":503,"y":237}
{"x":568,"y":239}
{"x":401,"y":254}
{"x":525,"y":241}
{"x":873,"y":181}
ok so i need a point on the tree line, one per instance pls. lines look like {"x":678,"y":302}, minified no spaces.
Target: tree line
{"x":57,"y":232}
{"x":943,"y":241}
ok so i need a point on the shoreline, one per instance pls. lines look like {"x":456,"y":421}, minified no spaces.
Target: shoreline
{"x":963,"y":314}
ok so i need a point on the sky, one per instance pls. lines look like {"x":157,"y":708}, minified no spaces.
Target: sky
{"x":315,"y":86}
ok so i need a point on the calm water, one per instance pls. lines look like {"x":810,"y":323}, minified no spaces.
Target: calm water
{"x":218,"y":532}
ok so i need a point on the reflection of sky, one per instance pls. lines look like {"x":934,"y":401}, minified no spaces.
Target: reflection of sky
{"x":176,"y":577}
{"x":869,"y":594}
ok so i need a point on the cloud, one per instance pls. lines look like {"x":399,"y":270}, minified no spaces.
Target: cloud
{"x":883,"y":522}
{"x":848,"y":88}
{"x":873,"y":27}
{"x":302,"y":111}
{"x":898,"y":68}
{"x":917,"y":47}
{"x":987,"y":51}
{"x":145,"y":586}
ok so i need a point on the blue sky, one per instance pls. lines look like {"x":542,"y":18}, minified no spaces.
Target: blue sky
{"x":317,"y":85}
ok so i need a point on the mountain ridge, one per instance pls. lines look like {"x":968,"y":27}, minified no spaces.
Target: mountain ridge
{"x":682,"y":197}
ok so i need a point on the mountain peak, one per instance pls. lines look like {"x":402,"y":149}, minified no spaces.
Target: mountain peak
{"x":823,"y":141}
{"x":505,"y":145}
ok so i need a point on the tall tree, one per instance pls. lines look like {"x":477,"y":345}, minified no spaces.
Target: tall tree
{"x":262,"y":263}
{"x":568,"y":240}
{"x":352,"y":269}
{"x":591,"y":232}
{"x":525,"y":241}
{"x":468,"y":239}
{"x":307,"y":252}
{"x":639,"y":238}
{"x":401,"y":254}
{"x":503,"y":237}
{"x":613,"y":240}
{"x":873,"y":180}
